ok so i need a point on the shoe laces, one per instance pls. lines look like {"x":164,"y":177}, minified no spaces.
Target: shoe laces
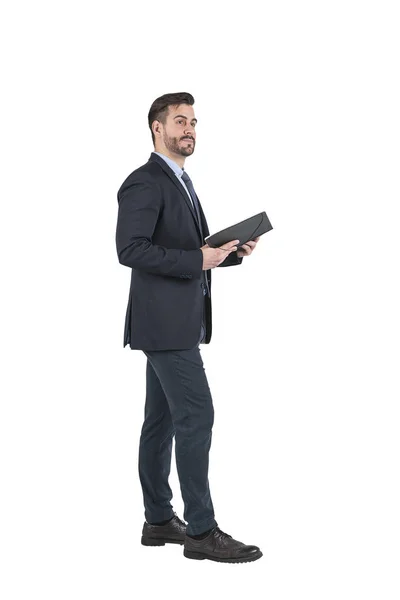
{"x":221,"y":534}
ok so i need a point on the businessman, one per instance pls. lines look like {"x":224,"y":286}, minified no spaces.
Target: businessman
{"x":160,"y":235}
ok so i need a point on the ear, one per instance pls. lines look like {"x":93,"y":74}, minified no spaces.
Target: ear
{"x":156,"y":128}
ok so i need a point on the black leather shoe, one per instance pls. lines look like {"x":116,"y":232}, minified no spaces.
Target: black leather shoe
{"x":221,"y":547}
{"x":172,"y":532}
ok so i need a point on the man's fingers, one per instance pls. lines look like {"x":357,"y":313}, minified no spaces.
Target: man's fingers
{"x":229,"y":245}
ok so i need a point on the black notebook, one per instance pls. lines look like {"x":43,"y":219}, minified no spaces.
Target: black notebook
{"x":244,"y":231}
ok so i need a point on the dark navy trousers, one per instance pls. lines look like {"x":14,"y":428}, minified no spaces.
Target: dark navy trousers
{"x":178,"y":402}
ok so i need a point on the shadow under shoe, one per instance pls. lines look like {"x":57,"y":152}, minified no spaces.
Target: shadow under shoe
{"x":172,"y":532}
{"x":221,"y":547}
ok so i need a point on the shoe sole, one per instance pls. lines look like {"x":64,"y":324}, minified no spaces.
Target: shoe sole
{"x":159,"y":541}
{"x":200,"y":556}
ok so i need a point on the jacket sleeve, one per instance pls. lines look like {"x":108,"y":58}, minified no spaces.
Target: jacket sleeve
{"x":139,"y":207}
{"x":231,"y":260}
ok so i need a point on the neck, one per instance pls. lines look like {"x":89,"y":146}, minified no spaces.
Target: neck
{"x":178,"y":158}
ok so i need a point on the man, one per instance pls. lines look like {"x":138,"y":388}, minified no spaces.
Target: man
{"x":160,"y":235}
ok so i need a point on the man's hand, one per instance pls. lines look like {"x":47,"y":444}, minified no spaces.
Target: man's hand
{"x":248,"y":248}
{"x":212,"y":257}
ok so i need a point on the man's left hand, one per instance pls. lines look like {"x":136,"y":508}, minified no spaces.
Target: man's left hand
{"x":248,"y":248}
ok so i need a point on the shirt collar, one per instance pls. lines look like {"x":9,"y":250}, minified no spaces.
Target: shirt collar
{"x":171,"y":163}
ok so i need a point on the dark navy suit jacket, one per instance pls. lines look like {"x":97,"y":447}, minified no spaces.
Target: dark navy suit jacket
{"x":158,"y":237}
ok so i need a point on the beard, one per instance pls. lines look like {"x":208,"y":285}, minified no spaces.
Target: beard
{"x":179,"y":146}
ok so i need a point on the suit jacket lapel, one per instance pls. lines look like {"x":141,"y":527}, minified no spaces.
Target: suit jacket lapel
{"x":203,"y":220}
{"x":179,"y":187}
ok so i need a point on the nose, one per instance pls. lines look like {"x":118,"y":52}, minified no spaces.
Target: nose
{"x":189,"y":132}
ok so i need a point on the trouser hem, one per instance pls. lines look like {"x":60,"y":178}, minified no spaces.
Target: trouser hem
{"x":157,"y":518}
{"x":201,"y":527}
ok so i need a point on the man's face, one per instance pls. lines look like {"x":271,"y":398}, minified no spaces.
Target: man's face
{"x":179,"y":135}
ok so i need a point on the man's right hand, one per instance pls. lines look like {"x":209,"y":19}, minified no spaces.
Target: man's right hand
{"x":212,"y":257}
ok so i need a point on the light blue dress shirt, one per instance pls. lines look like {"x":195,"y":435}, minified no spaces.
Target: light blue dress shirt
{"x":178,"y":172}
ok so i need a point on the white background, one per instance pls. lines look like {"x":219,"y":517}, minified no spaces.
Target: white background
{"x":298,"y":115}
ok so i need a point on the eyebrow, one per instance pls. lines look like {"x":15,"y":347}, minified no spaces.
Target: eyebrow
{"x":176,"y":116}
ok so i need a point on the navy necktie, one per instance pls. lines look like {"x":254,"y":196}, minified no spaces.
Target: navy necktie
{"x":189,"y":185}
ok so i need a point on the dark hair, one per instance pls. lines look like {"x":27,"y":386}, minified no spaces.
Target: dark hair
{"x":159,"y":109}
